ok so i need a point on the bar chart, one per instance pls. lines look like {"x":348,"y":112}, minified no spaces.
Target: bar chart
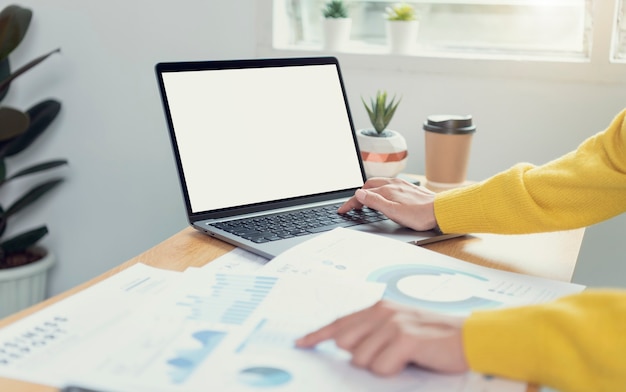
{"x":231,"y":299}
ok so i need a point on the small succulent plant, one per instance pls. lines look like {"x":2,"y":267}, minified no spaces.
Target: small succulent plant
{"x":401,"y":11}
{"x":380,"y":112}
{"x":335,"y":9}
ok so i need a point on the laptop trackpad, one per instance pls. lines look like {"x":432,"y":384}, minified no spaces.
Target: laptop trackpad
{"x":389,"y":228}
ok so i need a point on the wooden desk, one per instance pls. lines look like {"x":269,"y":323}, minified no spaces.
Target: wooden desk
{"x":551,"y":255}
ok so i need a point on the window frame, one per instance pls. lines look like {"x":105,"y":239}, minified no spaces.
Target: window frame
{"x":598,"y":68}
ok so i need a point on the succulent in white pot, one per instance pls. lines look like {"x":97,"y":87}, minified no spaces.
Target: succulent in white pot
{"x":337,"y":25}
{"x":384,"y":151}
{"x":402,"y":28}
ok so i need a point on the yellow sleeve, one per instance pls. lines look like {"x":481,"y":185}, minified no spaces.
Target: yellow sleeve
{"x":578,"y":189}
{"x":574,"y":344}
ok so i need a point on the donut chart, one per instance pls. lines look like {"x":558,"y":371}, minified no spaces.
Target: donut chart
{"x":432,"y":287}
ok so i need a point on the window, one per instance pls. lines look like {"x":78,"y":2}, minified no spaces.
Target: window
{"x":582,"y":40}
{"x":539,"y":28}
{"x":619,"y":48}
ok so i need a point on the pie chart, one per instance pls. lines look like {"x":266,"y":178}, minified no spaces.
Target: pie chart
{"x":264,"y":377}
{"x":432,"y":287}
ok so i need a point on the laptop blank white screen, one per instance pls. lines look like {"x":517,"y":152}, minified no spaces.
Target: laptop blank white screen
{"x":254,"y":135}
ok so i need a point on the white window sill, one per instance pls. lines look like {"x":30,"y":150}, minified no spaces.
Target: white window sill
{"x":477,"y":65}
{"x":366,"y":49}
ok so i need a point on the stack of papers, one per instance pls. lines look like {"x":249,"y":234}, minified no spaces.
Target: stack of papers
{"x":231,"y":325}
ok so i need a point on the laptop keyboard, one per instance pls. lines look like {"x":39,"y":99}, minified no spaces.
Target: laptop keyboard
{"x":292,"y":224}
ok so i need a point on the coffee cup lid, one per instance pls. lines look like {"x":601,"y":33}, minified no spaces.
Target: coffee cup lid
{"x":449,"y":124}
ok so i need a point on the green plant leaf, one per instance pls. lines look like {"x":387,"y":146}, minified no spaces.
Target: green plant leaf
{"x":335,"y":9}
{"x":370,"y":113}
{"x":381,"y":98}
{"x":3,"y":222}
{"x":13,"y":122}
{"x":401,"y":12}
{"x":5,"y":83}
{"x":390,"y":110}
{"x":5,"y":72}
{"x":38,"y":168}
{"x":41,"y":115}
{"x":31,"y":196}
{"x":14,"y":22}
{"x":23,"y":241}
{"x":380,"y":113}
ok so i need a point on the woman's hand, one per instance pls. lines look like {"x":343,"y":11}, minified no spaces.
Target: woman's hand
{"x":387,"y":337}
{"x":406,"y":204}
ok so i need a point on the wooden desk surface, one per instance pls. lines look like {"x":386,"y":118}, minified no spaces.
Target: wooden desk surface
{"x":550,"y":255}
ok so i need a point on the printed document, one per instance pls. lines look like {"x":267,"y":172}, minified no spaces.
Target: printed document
{"x":414,"y":275}
{"x":232,"y":326}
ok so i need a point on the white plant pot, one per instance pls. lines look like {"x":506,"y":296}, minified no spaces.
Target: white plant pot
{"x":402,"y":36}
{"x":23,"y":286}
{"x":336,"y":33}
{"x":382,"y":156}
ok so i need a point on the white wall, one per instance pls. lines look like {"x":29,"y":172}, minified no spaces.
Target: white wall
{"x":122,"y":196}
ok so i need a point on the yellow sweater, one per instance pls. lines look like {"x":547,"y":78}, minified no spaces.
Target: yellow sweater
{"x":577,"y":343}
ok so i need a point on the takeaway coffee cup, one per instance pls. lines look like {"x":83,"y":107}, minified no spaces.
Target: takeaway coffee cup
{"x":447,"y":143}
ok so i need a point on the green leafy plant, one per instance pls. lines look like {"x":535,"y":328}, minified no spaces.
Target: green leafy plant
{"x":18,"y":130}
{"x":335,"y":9}
{"x":401,"y":11}
{"x":380,"y":112}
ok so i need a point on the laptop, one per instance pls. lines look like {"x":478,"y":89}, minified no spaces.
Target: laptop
{"x":254,"y":139}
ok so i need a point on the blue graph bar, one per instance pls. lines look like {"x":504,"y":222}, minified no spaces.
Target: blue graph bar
{"x":232,"y":299}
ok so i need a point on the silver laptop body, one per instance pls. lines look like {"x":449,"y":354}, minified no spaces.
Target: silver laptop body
{"x":258,"y":137}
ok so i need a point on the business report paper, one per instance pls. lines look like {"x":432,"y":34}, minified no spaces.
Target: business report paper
{"x":414,"y":275}
{"x":225,"y":331}
{"x":236,"y":332}
{"x":232,"y":326}
{"x":35,"y":347}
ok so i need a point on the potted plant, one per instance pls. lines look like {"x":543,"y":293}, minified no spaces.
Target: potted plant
{"x":337,"y":25}
{"x":23,"y":264}
{"x":384,"y":151}
{"x":402,"y":26}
